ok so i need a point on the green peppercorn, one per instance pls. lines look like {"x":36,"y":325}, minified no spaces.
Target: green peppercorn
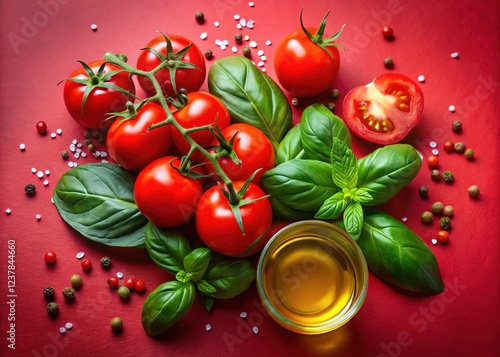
{"x":331,"y":106}
{"x":456,"y":126}
{"x":49,"y":292}
{"x":473,"y":191}
{"x":423,"y":191}
{"x":459,"y":147}
{"x":116,"y":324}
{"x":200,"y":17}
{"x":334,"y":94}
{"x":238,"y":38}
{"x":65,"y":154}
{"x":448,"y":176}
{"x":469,"y":154}
{"x":247,"y":52}
{"x":76,"y":281}
{"x":91,"y":147}
{"x":448,"y":211}
{"x":69,"y":294}
{"x":53,"y":309}
{"x":445,"y":223}
{"x":437,"y":207}
{"x":426,"y":217}
{"x":30,"y":189}
{"x":435,"y":175}
{"x":209,"y":54}
{"x":124,"y":293}
{"x":389,"y":63}
{"x":106,"y":262}
{"x":296,"y":102}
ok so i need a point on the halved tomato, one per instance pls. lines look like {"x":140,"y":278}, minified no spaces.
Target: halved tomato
{"x":385,"y":110}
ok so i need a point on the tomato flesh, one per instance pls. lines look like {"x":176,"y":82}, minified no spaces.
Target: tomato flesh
{"x":385,"y":110}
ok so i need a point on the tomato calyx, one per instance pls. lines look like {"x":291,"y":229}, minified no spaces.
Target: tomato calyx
{"x":225,"y":147}
{"x":318,"y":37}
{"x":171,"y":60}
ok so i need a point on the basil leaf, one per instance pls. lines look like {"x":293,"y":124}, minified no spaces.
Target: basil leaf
{"x":333,"y":207}
{"x":362,"y":196}
{"x":291,"y":146}
{"x":167,"y":248}
{"x":385,"y":171}
{"x":97,"y":200}
{"x":353,"y":219}
{"x":344,"y":165}
{"x":208,"y":302}
{"x":205,"y":287}
{"x":251,"y":96}
{"x":397,"y":255}
{"x":229,"y":278}
{"x":166,"y":305}
{"x":196,"y":263}
{"x":300,"y":184}
{"x":318,"y":127}
{"x":282,"y":211}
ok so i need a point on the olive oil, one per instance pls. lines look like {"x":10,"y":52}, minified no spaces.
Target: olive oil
{"x":310,"y":280}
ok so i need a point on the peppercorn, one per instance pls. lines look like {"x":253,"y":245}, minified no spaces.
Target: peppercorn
{"x":437,"y":208}
{"x":295,"y":102}
{"x":238,"y":38}
{"x":473,"y":191}
{"x":69,"y":294}
{"x":76,"y":281}
{"x":469,"y":154}
{"x":448,"y":176}
{"x":331,"y":106}
{"x":209,"y":54}
{"x":49,"y":292}
{"x":448,"y":211}
{"x":389,"y":63}
{"x":30,"y":189}
{"x":91,"y":147}
{"x":426,"y":217}
{"x":53,"y":309}
{"x":435,"y":175}
{"x":423,"y":191}
{"x":334,"y":94}
{"x":65,"y":154}
{"x":106,"y":262}
{"x":456,"y":126}
{"x":116,"y":324}
{"x":247,"y":52}
{"x":459,"y":147}
{"x":124,"y":293}
{"x":200,"y":17}
{"x":445,"y":223}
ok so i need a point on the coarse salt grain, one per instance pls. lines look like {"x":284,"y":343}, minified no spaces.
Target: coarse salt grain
{"x":39,"y":174}
{"x":435,"y":152}
{"x":47,"y":172}
{"x":204,"y":36}
{"x":93,"y":27}
{"x":38,"y":216}
{"x":432,"y":144}
{"x":208,"y":327}
{"x":8,"y":211}
{"x":80,"y":255}
{"x":246,"y":37}
{"x":434,"y":241}
{"x":45,"y":182}
{"x":68,"y":325}
{"x":404,"y":219}
{"x":59,"y":131}
{"x":119,"y":274}
{"x":22,"y":147}
{"x":263,"y":69}
{"x":74,"y":141}
{"x":216,"y":24}
{"x":454,"y":55}
{"x":53,"y":135}
{"x":251,"y":4}
{"x":243,"y":315}
{"x":253,"y":44}
{"x":234,"y":49}
{"x":83,"y":154}
{"x":62,"y":330}
{"x":421,"y":78}
{"x":225,"y":42}
{"x":236,"y":16}
{"x":260,"y":52}
{"x":243,"y":22}
{"x":239,"y":27}
{"x":223,"y":47}
{"x":255,"y":330}
{"x":33,"y":170}
{"x":250,"y":24}
{"x":261,"y":64}
{"x":451,"y":108}
{"x":268,"y":43}
{"x":263,"y":58}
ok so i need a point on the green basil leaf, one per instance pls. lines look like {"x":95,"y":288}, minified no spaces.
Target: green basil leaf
{"x":344,"y":165}
{"x":205,"y":287}
{"x":300,"y":184}
{"x":97,"y":200}
{"x":362,"y":196}
{"x":166,"y":305}
{"x":385,"y":171}
{"x":291,"y":146}
{"x":333,"y":207}
{"x":397,"y":255}
{"x":167,"y":248}
{"x":318,"y":127}
{"x":229,"y":278}
{"x":183,"y":276}
{"x":251,"y":96}
{"x":282,"y":211}
{"x":196,"y":263}
{"x":208,"y":302}
{"x":353,"y":219}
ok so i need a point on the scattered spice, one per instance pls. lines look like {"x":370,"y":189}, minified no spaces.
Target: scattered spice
{"x":116,"y":324}
{"x":451,"y":108}
{"x":30,"y":189}
{"x":209,"y":54}
{"x":437,"y":207}
{"x":448,"y":176}
{"x":124,"y":293}
{"x":93,"y":27}
{"x":69,"y":293}
{"x":421,"y":78}
{"x":200,"y":17}
{"x":473,"y":191}
{"x":388,"y":32}
{"x":460,"y":147}
{"x":238,"y":38}
{"x":41,"y":127}
{"x":86,"y":264}
{"x":423,"y":191}
{"x":106,"y":262}
{"x":449,"y":146}
{"x":442,"y":236}
{"x":247,"y":52}
{"x":389,"y":63}
{"x":140,"y":286}
{"x":469,"y":154}
{"x":456,"y":126}
{"x":445,"y":223}
{"x":113,"y":282}
{"x":331,"y":106}
{"x":435,"y":175}
{"x":53,"y":309}
{"x":448,"y":211}
{"x":76,"y":281}
{"x":335,"y":93}
{"x":49,"y":293}
{"x":295,"y":102}
{"x":65,"y":154}
{"x":426,"y":217}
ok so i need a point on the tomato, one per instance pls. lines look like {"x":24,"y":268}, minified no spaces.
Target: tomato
{"x":165,"y":196}
{"x":305,"y":64}
{"x":202,"y":108}
{"x":385,"y":110}
{"x":131,"y":145}
{"x":253,"y":149}
{"x":189,"y":65}
{"x":433,"y":161}
{"x":218,"y":228}
{"x":50,"y":257}
{"x":106,"y":94}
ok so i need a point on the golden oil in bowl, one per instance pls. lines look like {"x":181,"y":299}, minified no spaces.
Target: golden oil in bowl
{"x":312,"y":277}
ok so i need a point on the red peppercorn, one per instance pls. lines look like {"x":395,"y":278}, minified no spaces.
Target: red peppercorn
{"x":433,"y":161}
{"x":50,"y":257}
{"x":41,"y":127}
{"x":449,"y":146}
{"x":140,"y":285}
{"x":387,"y":32}
{"x":442,"y":236}
{"x":86,"y":264}
{"x":113,"y":282}
{"x":130,"y":283}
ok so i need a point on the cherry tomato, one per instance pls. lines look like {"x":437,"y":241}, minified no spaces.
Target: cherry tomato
{"x":218,"y":228}
{"x":449,"y":146}
{"x":385,"y":110}
{"x":306,"y":65}
{"x":140,"y":286}
{"x":442,"y":236}
{"x":113,"y":282}
{"x":41,"y":127}
{"x":100,"y":101}
{"x":253,"y":149}
{"x":130,"y":143}
{"x":130,"y":283}
{"x":388,"y":32}
{"x":190,"y":79}
{"x":433,"y":161}
{"x":202,"y":108}
{"x":50,"y":257}
{"x":86,"y":264}
{"x":165,"y":196}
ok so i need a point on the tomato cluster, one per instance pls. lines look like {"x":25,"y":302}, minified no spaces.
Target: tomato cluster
{"x":168,"y":138}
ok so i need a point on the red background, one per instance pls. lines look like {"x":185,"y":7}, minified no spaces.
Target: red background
{"x":41,"y":39}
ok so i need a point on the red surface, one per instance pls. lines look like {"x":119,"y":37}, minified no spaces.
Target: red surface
{"x":38,"y":45}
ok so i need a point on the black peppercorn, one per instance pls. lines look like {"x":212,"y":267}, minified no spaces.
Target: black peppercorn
{"x":423,"y":191}
{"x":30,"y":189}
{"x":238,"y":38}
{"x":49,"y":292}
{"x":52,"y":309}
{"x":69,"y":293}
{"x":456,"y":126}
{"x":209,"y":55}
{"x":459,"y":147}
{"x":295,"y":102}
{"x":65,"y":154}
{"x":106,"y":262}
{"x":247,"y":52}
{"x":389,"y":63}
{"x":334,"y":94}
{"x":200,"y":17}
{"x":331,"y":106}
{"x":435,"y":175}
